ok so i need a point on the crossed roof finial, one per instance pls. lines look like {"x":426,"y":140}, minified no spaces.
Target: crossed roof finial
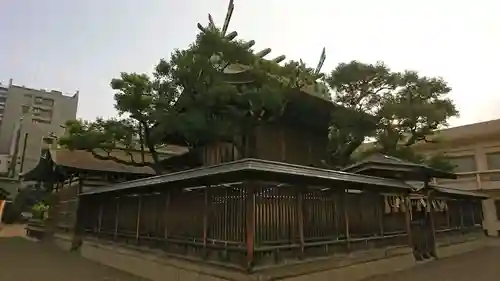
{"x":232,"y":35}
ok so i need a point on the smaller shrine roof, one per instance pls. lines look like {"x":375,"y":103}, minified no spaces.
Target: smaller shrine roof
{"x":457,"y":192}
{"x":393,"y":164}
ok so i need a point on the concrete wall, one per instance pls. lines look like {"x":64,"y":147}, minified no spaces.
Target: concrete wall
{"x":4,"y":163}
{"x":475,"y":140}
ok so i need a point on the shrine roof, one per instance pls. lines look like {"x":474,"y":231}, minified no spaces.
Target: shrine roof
{"x":93,"y":161}
{"x":86,"y":160}
{"x":384,"y":162}
{"x":457,"y":192}
{"x":256,"y":169}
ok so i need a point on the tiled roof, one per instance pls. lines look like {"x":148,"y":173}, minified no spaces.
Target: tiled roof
{"x":386,"y":159}
{"x":390,"y":161}
{"x":258,"y":169}
{"x":379,"y":158}
{"x":87,"y":160}
{"x":458,"y":192}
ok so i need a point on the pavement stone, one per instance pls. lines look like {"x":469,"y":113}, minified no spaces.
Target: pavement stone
{"x":24,"y":260}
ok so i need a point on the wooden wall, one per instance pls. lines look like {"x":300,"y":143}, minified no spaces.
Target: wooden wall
{"x":290,"y":145}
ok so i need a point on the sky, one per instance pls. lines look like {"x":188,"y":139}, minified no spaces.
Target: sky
{"x":83,"y":44}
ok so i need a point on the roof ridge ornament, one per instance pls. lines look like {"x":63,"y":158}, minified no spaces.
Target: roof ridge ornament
{"x":232,"y":35}
{"x":229,"y":14}
{"x":313,"y":86}
{"x":321,"y":61}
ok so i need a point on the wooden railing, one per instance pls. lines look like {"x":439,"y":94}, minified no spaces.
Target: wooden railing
{"x":259,"y":224}
{"x":247,"y":225}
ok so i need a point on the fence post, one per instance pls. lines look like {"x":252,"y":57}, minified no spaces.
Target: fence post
{"x":250,"y":222}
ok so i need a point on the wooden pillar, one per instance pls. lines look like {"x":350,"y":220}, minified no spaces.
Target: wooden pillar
{"x":408,"y":220}
{"x":81,"y":217}
{"x":336,"y":214}
{"x":250,"y":222}
{"x":448,"y":216}
{"x":99,"y":221}
{"x":166,"y":216}
{"x":346,"y":219}
{"x":300,"y":219}
{"x":139,"y":207}
{"x":117,"y":217}
{"x":206,"y":210}
{"x":381,"y":215}
{"x":433,"y":248}
{"x":461,"y":212}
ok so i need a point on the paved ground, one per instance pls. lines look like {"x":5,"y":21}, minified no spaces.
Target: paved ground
{"x":23,"y":260}
{"x":480,"y":265}
{"x":11,"y":230}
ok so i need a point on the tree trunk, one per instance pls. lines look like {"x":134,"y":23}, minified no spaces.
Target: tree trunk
{"x":156,"y":165}
{"x":141,"y":138}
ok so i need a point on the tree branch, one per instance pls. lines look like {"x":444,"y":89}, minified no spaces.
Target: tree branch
{"x":118,"y":160}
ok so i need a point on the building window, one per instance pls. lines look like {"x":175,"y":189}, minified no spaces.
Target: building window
{"x":497,"y":207}
{"x":28,"y":99}
{"x":48,"y":140}
{"x":44,"y":101}
{"x":464,"y":163}
{"x":25,"y":109}
{"x":493,"y":162}
{"x":40,"y":121}
{"x":44,"y":113}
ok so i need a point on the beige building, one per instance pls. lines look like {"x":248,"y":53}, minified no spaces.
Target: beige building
{"x":4,"y":91}
{"x":475,"y":151}
{"x":29,"y":117}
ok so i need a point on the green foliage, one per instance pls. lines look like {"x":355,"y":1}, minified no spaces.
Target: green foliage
{"x":218,"y":89}
{"x":192,"y":99}
{"x":40,"y":210}
{"x":396,"y":110}
{"x":104,"y":134}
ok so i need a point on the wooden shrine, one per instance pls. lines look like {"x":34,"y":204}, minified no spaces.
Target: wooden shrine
{"x":437,"y":213}
{"x":68,"y":173}
{"x":267,"y":211}
{"x":249,"y":214}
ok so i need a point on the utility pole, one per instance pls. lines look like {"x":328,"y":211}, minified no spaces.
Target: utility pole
{"x":25,"y":142}
{"x":13,"y":161}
